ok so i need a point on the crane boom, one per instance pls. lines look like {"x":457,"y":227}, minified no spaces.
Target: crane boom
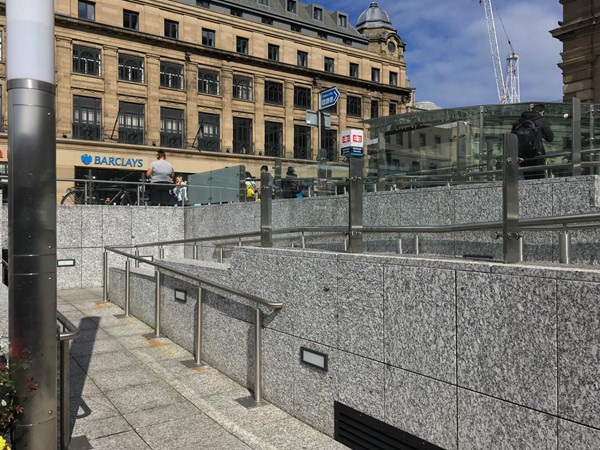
{"x":489,"y":16}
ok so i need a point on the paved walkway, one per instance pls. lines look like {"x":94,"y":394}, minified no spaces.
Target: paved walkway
{"x":129,"y":392}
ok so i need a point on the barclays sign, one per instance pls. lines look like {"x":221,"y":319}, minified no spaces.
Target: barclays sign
{"x":112,"y":161}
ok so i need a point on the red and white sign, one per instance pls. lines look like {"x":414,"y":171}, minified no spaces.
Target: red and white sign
{"x":352,"y":143}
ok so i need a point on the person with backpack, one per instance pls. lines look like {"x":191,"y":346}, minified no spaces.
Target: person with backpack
{"x":532,"y":129}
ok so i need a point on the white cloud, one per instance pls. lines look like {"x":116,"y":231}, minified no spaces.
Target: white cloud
{"x":448,"y":53}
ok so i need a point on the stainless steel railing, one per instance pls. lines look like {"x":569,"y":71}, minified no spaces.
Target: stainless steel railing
{"x":69,"y":333}
{"x":202,"y":282}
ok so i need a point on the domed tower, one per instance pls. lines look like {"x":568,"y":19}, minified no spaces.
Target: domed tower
{"x":375,"y":24}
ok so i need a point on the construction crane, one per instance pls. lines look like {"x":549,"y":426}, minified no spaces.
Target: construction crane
{"x":508,"y":88}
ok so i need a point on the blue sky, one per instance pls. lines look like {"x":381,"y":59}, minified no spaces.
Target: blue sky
{"x":448,"y":54}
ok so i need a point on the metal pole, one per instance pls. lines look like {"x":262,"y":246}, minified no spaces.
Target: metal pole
{"x":461,"y":151}
{"x":258,"y":358}
{"x":266,"y":211}
{"x":161,"y":252}
{"x":195,"y":252}
{"x":565,"y":247}
{"x":198,"y":348}
{"x":510,"y":200}
{"x":33,"y":350}
{"x":355,"y":205}
{"x":399,"y":246}
{"x":576,"y":124}
{"x":127,"y":286}
{"x":416,"y":244}
{"x":239,"y":242}
{"x":157,"y":303}
{"x":521,"y":245}
{"x":303,"y":240}
{"x":105,"y":276}
{"x":65,"y":435}
{"x":220,"y":254}
{"x":137,"y":254}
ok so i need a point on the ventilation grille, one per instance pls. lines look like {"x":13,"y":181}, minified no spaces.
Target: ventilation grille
{"x":360,"y":431}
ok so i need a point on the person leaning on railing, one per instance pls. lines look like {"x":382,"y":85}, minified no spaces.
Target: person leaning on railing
{"x":161,"y":171}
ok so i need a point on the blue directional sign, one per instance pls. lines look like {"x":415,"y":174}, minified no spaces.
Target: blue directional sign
{"x":329,"y":98}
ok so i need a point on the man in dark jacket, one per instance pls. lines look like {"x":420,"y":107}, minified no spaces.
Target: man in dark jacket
{"x":544,"y":133}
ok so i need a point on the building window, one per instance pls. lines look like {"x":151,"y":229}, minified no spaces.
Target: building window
{"x":203,"y":3}
{"x":273,"y":93}
{"x":375,"y":75}
{"x":331,"y":109}
{"x":171,"y":75}
{"x":353,"y":70}
{"x":354,"y":106}
{"x":171,"y":29}
{"x":374,"y":109}
{"x":242,"y":87}
{"x":322,"y":34}
{"x":291,"y":6}
{"x":302,"y":58}
{"x":241,"y":45}
{"x":273,"y":139}
{"x":208,"y":38}
{"x":330,"y":145}
{"x":393,"y":108}
{"x":317,"y":13}
{"x":131,"y":68}
{"x":302,"y":148}
{"x":273,"y":52}
{"x":171,"y":127}
{"x":86,"y":10}
{"x":236,"y":12}
{"x":329,"y":65}
{"x":267,"y":20}
{"x":131,"y":123}
{"x":301,"y":97}
{"x":86,"y":60}
{"x":393,"y":78}
{"x":208,"y":82}
{"x":342,"y":21}
{"x":263,"y":2}
{"x":131,"y":20}
{"x":242,"y":135}
{"x":209,"y":132}
{"x":296,"y":28}
{"x":87,"y":118}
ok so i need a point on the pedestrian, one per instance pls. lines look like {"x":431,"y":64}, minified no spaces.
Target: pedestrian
{"x":161,"y":173}
{"x":532,"y":129}
{"x":250,"y":187}
{"x":180,"y":191}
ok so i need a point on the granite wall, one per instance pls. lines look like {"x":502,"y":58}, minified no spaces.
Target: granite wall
{"x":466,"y":355}
{"x":431,"y":206}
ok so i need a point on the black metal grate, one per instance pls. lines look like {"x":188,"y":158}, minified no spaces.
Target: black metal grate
{"x":360,"y":431}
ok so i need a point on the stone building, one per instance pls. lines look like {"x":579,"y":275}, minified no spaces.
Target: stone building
{"x":216,"y":83}
{"x":579,"y":32}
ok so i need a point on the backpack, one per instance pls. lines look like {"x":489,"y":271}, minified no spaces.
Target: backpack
{"x":527,"y":134}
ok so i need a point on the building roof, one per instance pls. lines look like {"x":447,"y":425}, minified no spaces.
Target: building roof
{"x":374,"y":17}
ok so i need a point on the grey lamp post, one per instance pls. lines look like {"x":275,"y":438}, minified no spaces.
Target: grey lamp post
{"x":32,"y":217}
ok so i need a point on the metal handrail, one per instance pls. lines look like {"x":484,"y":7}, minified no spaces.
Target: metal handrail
{"x":69,"y":333}
{"x":198,"y":319}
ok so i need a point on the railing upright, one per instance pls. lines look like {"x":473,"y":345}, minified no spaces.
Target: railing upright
{"x":258,"y":357}
{"x":355,"y":205}
{"x":510,"y":201}
{"x":69,"y":333}
{"x":576,"y":137}
{"x":198,"y":340}
{"x":565,"y":246}
{"x":266,"y":211}
{"x":105,"y":276}
{"x":127,"y":286}
{"x":157,"y":280}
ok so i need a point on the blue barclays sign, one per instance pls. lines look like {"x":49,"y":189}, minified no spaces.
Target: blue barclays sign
{"x":113,"y":161}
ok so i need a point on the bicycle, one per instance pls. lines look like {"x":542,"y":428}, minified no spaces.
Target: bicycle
{"x":76,"y":195}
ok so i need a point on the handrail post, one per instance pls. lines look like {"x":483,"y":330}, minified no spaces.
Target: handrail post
{"x":258,"y":358}
{"x":239,"y":242}
{"x":127,"y":285}
{"x":565,"y":246}
{"x":266,"y":210}
{"x":195,"y":251}
{"x":416,"y":244}
{"x":510,"y":200}
{"x":157,"y":278}
{"x":399,"y":246}
{"x":137,"y":255}
{"x":105,"y":276}
{"x":65,"y":414}
{"x":576,"y":137}
{"x":198,"y":341}
{"x":161,"y":252}
{"x":220,"y":254}
{"x":303,"y":239}
{"x":355,"y":205}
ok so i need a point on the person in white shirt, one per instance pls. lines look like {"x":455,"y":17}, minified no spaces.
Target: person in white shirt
{"x":161,"y":172}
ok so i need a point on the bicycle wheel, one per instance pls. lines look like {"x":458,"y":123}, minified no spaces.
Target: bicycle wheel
{"x":72,"y":198}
